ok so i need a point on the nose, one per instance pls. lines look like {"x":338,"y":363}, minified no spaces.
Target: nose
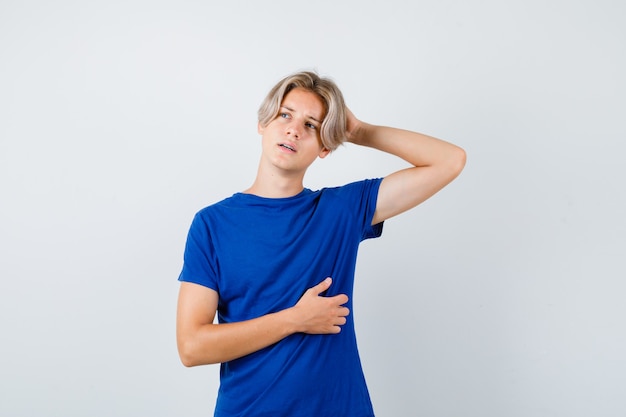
{"x":293,"y":130}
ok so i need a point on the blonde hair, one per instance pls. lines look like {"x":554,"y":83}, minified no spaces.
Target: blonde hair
{"x":333,"y":128}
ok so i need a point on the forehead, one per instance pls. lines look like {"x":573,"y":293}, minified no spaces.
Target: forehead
{"x":306,"y":102}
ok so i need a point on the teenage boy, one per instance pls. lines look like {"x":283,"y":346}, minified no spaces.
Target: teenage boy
{"x":276,"y":262}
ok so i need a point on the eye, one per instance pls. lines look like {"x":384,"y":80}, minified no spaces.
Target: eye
{"x":310,"y":125}
{"x":283,"y":115}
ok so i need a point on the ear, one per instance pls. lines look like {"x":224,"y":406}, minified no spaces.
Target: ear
{"x":324,"y":153}
{"x":259,"y":128}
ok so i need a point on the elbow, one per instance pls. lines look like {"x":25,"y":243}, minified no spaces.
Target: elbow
{"x":190,"y":355}
{"x":187,"y":358}
{"x":187,"y":362}
{"x":457,"y":161}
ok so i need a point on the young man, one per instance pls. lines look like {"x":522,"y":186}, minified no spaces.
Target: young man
{"x":276,"y":262}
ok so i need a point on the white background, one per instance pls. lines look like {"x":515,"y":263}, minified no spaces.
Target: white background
{"x":501,"y":296}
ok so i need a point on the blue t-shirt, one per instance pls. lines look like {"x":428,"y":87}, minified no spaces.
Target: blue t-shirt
{"x":261,"y":255}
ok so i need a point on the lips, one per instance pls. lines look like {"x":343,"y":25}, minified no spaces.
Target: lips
{"x":287,"y":146}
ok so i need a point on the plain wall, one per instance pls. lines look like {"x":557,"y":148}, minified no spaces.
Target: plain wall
{"x":503,"y":295}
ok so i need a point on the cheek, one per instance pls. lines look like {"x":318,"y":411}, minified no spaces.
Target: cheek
{"x":319,"y":141}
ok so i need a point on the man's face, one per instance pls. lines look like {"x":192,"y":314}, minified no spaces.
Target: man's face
{"x":291,"y":142}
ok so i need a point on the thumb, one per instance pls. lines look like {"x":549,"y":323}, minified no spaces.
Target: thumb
{"x":322,"y":286}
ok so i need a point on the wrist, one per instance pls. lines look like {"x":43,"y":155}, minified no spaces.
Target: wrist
{"x":360,"y":134}
{"x":289,"y":321}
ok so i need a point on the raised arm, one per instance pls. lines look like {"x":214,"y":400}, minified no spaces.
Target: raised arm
{"x":201,"y":342}
{"x":435,"y":163}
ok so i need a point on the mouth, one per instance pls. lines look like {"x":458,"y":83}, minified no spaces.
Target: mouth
{"x":284,"y":145}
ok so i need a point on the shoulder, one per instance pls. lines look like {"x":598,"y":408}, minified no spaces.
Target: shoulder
{"x":224,"y":204}
{"x":207,"y":216}
{"x":356,"y":189}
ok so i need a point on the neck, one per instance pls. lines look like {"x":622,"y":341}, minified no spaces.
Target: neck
{"x":276,"y":184}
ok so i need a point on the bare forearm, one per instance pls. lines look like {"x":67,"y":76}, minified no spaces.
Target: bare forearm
{"x":216,"y":343}
{"x":201,"y":342}
{"x":416,"y":148}
{"x":434,"y":164}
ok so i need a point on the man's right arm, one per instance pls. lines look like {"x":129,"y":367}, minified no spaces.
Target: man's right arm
{"x":201,"y":341}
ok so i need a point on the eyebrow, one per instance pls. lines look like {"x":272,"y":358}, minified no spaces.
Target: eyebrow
{"x":310,"y":117}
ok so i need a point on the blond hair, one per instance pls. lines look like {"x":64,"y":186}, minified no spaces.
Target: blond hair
{"x":333,"y":130}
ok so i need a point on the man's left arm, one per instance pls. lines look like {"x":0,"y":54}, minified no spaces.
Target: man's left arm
{"x":435,"y":163}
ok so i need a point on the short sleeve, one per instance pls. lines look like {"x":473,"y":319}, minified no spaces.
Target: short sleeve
{"x":200,"y":262}
{"x":369,"y":199}
{"x":360,"y":198}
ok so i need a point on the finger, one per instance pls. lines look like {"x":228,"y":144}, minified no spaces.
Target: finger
{"x":339,"y":299}
{"x":335,"y":330}
{"x":322,"y":286}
